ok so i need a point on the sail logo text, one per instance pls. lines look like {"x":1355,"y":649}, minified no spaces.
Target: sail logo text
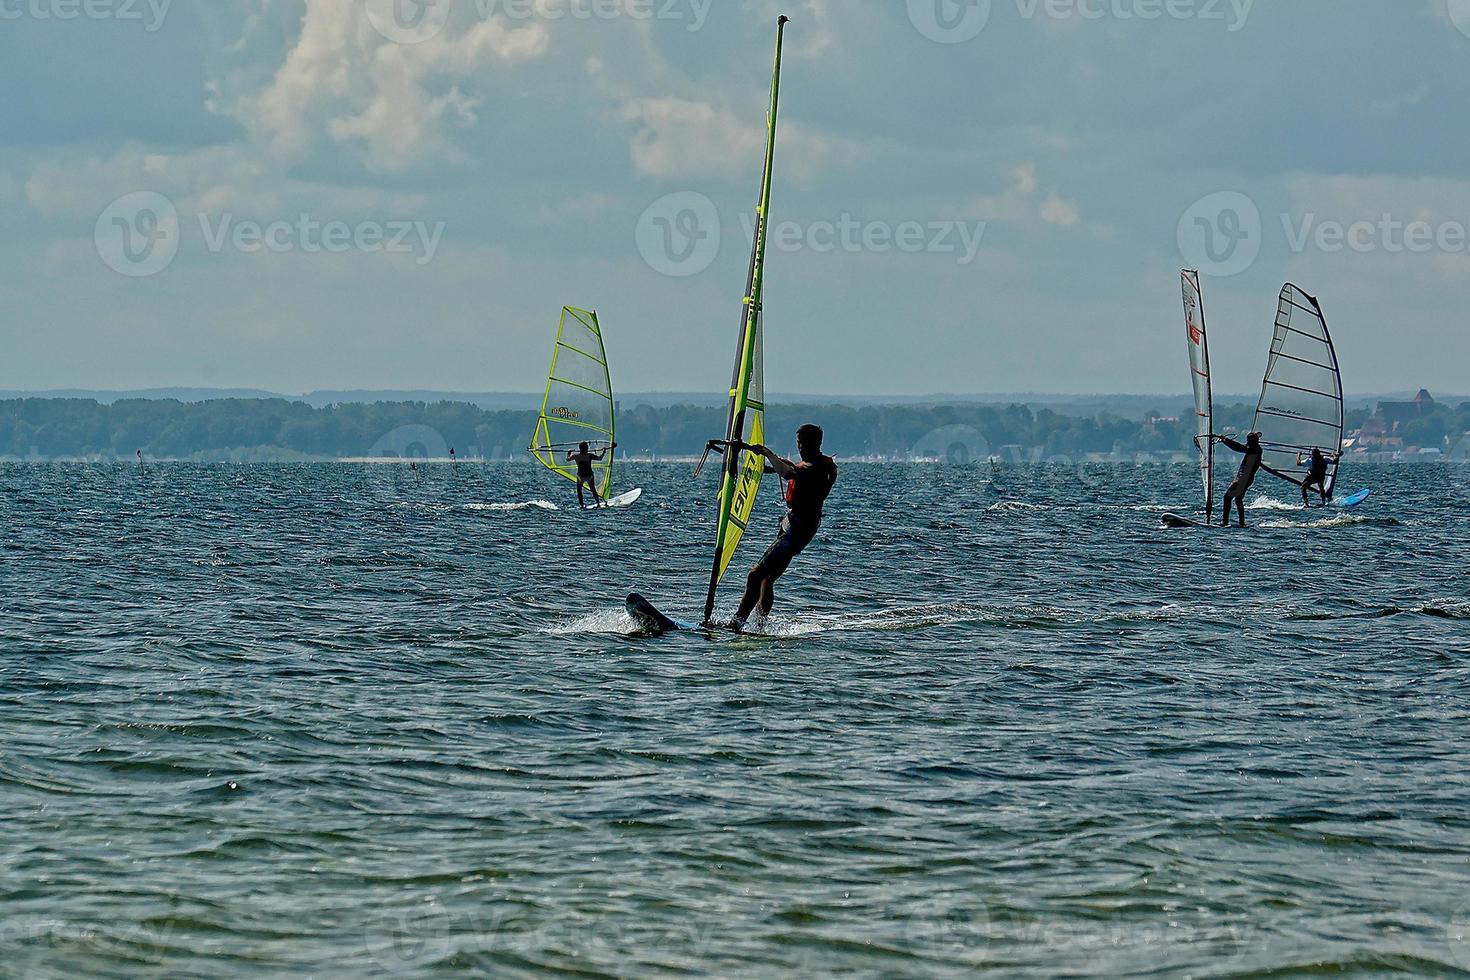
{"x":564,"y":413}
{"x":847,"y":234}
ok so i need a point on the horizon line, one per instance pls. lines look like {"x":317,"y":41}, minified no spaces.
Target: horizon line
{"x":448,"y":394}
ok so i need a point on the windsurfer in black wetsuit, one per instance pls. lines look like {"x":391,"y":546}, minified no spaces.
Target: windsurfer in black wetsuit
{"x":807,"y":485}
{"x":584,"y":457}
{"x":1249,"y":467}
{"x":1316,"y":464}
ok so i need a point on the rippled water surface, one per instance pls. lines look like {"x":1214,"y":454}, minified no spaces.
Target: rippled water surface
{"x":352,"y":720}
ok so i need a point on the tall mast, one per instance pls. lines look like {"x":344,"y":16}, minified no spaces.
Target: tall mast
{"x":750,"y":319}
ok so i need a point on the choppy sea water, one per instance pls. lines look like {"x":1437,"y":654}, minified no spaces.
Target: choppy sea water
{"x":353,"y":720}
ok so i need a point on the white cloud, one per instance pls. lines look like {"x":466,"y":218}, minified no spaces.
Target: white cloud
{"x":681,"y":139}
{"x":215,"y":180}
{"x":1348,"y":197}
{"x":1056,"y":211}
{"x":1389,"y":204}
{"x":1020,"y":205}
{"x":817,"y":27}
{"x":1453,"y":268}
{"x":583,"y":207}
{"x":396,"y":105}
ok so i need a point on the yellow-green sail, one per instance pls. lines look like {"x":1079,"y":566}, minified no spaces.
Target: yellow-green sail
{"x":578,"y":406}
{"x":742,"y":471}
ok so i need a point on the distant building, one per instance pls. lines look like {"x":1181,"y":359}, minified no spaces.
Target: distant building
{"x":1383,"y":432}
{"x":1395,"y":414}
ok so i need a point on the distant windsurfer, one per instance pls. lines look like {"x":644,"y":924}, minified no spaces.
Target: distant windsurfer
{"x":1249,"y":467}
{"x":1317,"y":464}
{"x":808,"y":483}
{"x":584,"y":457}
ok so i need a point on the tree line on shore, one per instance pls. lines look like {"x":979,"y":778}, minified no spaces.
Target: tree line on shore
{"x":263,"y":429}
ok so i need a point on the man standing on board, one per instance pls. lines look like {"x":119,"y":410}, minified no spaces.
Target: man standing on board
{"x":807,"y":485}
{"x":1316,"y":473}
{"x":584,"y":457}
{"x":1249,"y":467}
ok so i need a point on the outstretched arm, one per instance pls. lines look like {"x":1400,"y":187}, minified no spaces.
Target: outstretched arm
{"x":783,"y":467}
{"x":1237,"y":446}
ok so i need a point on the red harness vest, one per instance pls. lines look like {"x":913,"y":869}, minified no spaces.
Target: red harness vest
{"x":797,"y":492}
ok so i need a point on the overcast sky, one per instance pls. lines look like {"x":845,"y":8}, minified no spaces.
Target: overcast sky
{"x":979,"y":196}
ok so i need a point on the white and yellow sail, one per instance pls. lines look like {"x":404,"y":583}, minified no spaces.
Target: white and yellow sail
{"x":578,"y":405}
{"x":741,"y":474}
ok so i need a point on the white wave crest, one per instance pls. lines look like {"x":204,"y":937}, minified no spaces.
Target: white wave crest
{"x":509,"y":508}
{"x":609,"y":622}
{"x":1341,"y":520}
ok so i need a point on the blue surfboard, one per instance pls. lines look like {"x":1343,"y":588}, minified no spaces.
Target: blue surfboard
{"x":1357,"y":498}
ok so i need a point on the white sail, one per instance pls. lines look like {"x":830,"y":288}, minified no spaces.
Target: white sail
{"x":1199,"y":370}
{"x":1301,"y":399}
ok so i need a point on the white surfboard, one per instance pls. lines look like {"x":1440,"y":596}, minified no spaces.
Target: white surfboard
{"x":621,"y":500}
